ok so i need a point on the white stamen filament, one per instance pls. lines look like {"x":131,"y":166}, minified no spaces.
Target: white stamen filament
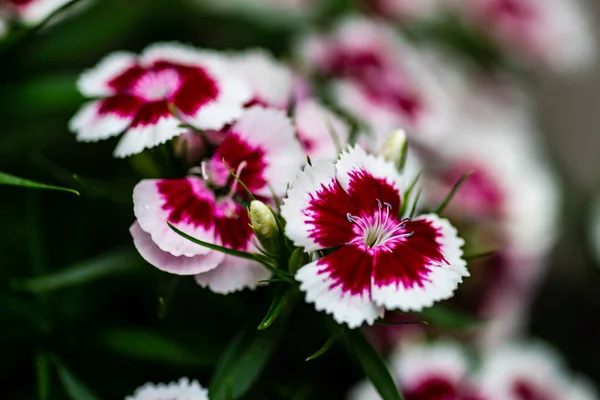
{"x":381,"y":227}
{"x":234,"y":185}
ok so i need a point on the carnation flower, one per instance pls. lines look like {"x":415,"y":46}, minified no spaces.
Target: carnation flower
{"x":205,"y":209}
{"x":556,"y":33}
{"x":374,"y":259}
{"x":181,"y":390}
{"x":529,"y":371}
{"x":378,"y":78}
{"x":149,"y":96}
{"x":427,"y":372}
{"x":31,"y":12}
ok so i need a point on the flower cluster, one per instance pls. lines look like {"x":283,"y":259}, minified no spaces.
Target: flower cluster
{"x":514,"y":371}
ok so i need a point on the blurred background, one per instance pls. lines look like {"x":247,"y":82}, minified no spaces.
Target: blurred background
{"x":78,"y":306}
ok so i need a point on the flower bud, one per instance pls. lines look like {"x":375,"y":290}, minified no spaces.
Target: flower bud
{"x":395,"y":148}
{"x":264,"y":225}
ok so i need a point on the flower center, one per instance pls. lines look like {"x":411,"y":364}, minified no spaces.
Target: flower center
{"x":379,"y":228}
{"x":160,"y":85}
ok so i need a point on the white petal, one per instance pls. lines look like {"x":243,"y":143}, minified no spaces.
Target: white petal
{"x":91,"y":126}
{"x":179,"y":265}
{"x":36,"y":11}
{"x":441,"y":281}
{"x":94,"y":81}
{"x":182,"y":390}
{"x":308,"y":183}
{"x":356,"y":159}
{"x":148,"y":205}
{"x":272,"y":83}
{"x":352,"y":310}
{"x":141,"y":137}
{"x":272,"y":131}
{"x":232,"y":275}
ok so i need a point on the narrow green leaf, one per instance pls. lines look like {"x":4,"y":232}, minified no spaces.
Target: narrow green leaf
{"x":231,"y":252}
{"x":42,"y":373}
{"x":455,"y":188}
{"x":7,"y":179}
{"x":75,"y":389}
{"x":243,"y":361}
{"x":151,"y":346}
{"x":332,"y":339}
{"x":87,"y":271}
{"x":477,"y":256}
{"x":407,"y":193}
{"x":279,"y":302}
{"x":413,"y":209}
{"x":447,"y":317}
{"x":373,"y":366}
{"x":237,"y":178}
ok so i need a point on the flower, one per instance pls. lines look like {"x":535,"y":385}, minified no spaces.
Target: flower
{"x":321,"y":132}
{"x":531,"y":370}
{"x":202,"y":208}
{"x":554,"y":33}
{"x":377,"y":78}
{"x":272,"y":83}
{"x":181,"y":390}
{"x":376,"y":260}
{"x":31,"y":12}
{"x":439,"y":371}
{"x":149,"y":96}
{"x":406,"y":10}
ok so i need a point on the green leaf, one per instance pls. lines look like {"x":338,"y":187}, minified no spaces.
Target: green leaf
{"x":297,"y":260}
{"x":477,"y":256}
{"x":7,"y":179}
{"x":406,"y":195}
{"x":243,"y":361}
{"x":455,"y":188}
{"x":394,"y":323}
{"x":332,"y":339}
{"x":154,"y":347}
{"x":42,"y":373}
{"x":87,"y":271}
{"x":447,"y":317}
{"x":279,"y":302}
{"x":76,"y":389}
{"x":373,"y":366}
{"x":231,"y":252}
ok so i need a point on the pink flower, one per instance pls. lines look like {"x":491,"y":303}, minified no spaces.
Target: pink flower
{"x":31,"y":12}
{"x":252,"y":148}
{"x":406,"y":10}
{"x":519,"y":371}
{"x":378,"y":260}
{"x":150,"y":96}
{"x":272,"y":83}
{"x":556,"y":33}
{"x":322,"y":133}
{"x":181,"y":390}
{"x":427,"y":372}
{"x":378,"y":78}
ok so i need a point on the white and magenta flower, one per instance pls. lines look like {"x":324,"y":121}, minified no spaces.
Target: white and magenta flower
{"x":272,"y":83}
{"x":556,"y":33}
{"x":374,"y":258}
{"x":31,"y":12}
{"x":184,"y":389}
{"x":427,"y":372}
{"x":406,"y":10}
{"x":149,"y":96}
{"x":378,"y":78}
{"x":521,"y":371}
{"x":322,"y":133}
{"x":207,"y":208}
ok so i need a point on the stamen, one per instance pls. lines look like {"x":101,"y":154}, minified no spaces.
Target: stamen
{"x":204,"y":168}
{"x":378,"y":203}
{"x":351,"y":218}
{"x":196,"y":171}
{"x":388,"y":205}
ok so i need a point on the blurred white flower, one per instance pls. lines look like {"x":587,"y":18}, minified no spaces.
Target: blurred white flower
{"x":184,"y":389}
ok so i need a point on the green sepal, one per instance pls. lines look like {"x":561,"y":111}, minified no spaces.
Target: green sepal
{"x":448,"y":198}
{"x":330,"y":341}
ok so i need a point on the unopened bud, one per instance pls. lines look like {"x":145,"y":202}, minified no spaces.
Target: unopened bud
{"x":395,"y":148}
{"x":264,"y":224}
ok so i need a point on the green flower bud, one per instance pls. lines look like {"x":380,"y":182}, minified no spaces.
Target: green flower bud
{"x":394,"y":149}
{"x":264,"y":225}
